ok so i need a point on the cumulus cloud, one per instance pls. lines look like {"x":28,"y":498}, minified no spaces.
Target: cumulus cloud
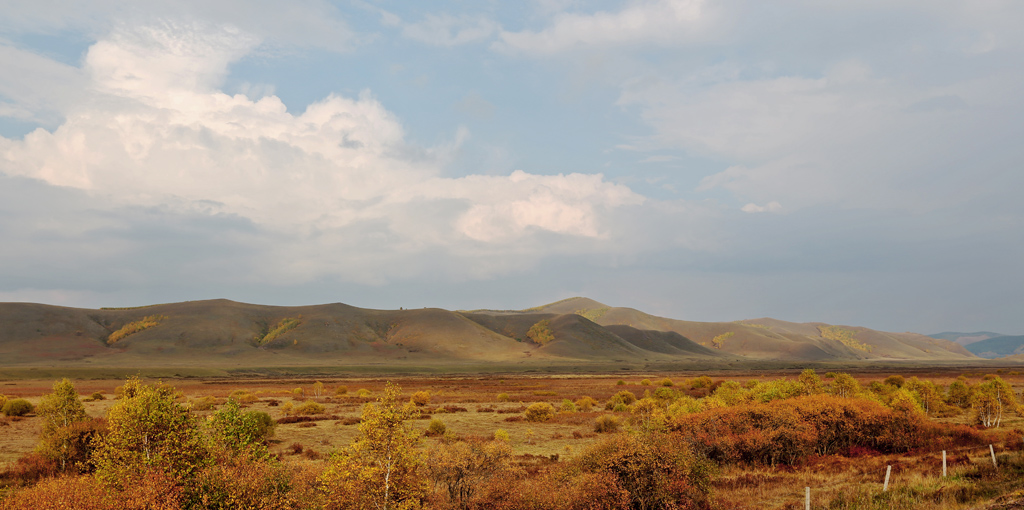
{"x":658,"y":21}
{"x":157,"y":131}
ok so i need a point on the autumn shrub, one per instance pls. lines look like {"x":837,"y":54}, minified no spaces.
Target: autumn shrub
{"x":666,"y":382}
{"x":307,"y":408}
{"x":204,"y":403}
{"x":72,"y":447}
{"x":645,"y":382}
{"x":503,"y":397}
{"x":785,"y":431}
{"x":554,"y":490}
{"x":17,"y":407}
{"x":241,"y":482}
{"x":624,"y":397}
{"x":569,"y":406}
{"x":77,"y":492}
{"x":340,"y":390}
{"x":656,"y":470}
{"x":541,"y":411}
{"x":501,"y":435}
{"x":420,"y":398}
{"x":606,"y":423}
{"x":585,"y":404}
{"x":460,"y":468}
{"x":30,"y":468}
{"x":436,"y":427}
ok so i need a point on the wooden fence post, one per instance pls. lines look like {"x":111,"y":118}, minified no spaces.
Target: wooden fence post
{"x":993,"y":452}
{"x":888,"y":469}
{"x":943,"y":463}
{"x":807,"y":498}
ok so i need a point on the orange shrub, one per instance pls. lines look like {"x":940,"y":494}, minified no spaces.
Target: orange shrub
{"x":785,"y":431}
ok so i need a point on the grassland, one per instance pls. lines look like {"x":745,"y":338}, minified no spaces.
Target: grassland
{"x":477,"y":405}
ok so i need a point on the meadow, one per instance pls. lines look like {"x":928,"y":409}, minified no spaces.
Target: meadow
{"x":714,"y":440}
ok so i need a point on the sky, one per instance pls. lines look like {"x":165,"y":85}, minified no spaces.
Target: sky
{"x":856,"y":163}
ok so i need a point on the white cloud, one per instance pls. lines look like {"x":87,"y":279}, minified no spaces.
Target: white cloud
{"x":338,"y":178}
{"x":448,"y":30}
{"x":769,"y":207}
{"x":36,"y":88}
{"x":657,"y":21}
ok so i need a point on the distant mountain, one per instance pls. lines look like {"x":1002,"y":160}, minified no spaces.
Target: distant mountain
{"x":966,"y":338}
{"x":223,"y":333}
{"x":998,"y":347}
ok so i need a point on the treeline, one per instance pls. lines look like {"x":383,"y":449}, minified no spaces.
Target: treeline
{"x":662,"y":450}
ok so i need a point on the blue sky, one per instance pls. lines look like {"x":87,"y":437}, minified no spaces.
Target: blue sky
{"x":847,"y":162}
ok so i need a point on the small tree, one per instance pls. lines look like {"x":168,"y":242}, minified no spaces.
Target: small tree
{"x":380,"y":469}
{"x":462,"y":467}
{"x":541,"y":332}
{"x":238,"y":431}
{"x":148,"y":430}
{"x":59,"y":411}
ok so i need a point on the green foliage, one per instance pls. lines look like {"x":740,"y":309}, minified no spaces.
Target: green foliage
{"x":241,"y":432}
{"x":17,"y":407}
{"x":59,"y":410}
{"x":569,"y":406}
{"x":991,"y":400}
{"x":148,"y":429}
{"x":540,"y":333}
{"x":540,"y":411}
{"x":131,"y":328}
{"x":501,"y":435}
{"x":959,"y":393}
{"x":381,"y":469}
{"x":269,"y":334}
{"x":844,"y":385}
{"x":810,"y":382}
{"x":843,"y":336}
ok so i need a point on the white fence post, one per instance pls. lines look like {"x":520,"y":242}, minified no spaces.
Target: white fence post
{"x":943,"y":463}
{"x":807,"y":498}
{"x":888,"y":469}
{"x":993,"y":452}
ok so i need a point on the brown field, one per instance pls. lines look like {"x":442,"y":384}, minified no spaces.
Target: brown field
{"x":470,"y":406}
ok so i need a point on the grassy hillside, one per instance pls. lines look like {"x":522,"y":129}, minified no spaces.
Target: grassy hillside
{"x":998,"y":347}
{"x":965,"y":338}
{"x":236,"y":336}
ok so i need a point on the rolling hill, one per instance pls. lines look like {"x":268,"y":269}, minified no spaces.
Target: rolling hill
{"x":225,"y":333}
{"x":998,"y":347}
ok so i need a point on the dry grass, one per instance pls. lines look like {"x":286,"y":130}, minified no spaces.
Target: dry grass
{"x":836,"y":482}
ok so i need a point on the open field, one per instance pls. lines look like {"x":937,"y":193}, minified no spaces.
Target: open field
{"x":478,"y":405}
